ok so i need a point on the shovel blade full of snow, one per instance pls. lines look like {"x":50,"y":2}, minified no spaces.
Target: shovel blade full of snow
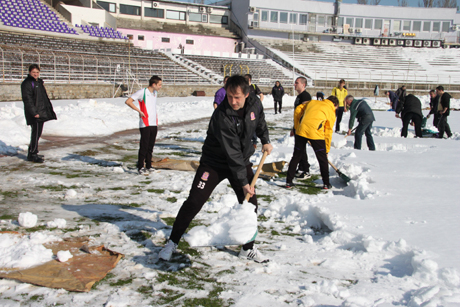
{"x":234,"y":226}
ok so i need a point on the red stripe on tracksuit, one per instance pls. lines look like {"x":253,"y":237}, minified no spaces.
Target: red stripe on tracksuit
{"x":143,"y":109}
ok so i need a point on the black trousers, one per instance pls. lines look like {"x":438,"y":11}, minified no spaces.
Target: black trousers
{"x":280,"y":103}
{"x":148,"y":138}
{"x":205,"y":181}
{"x":444,"y":126}
{"x":319,"y":147}
{"x":302,"y":165}
{"x":37,"y":129}
{"x":338,"y":114}
{"x":417,"y":119}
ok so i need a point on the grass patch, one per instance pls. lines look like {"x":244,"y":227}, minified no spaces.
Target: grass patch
{"x":103,"y":280}
{"x":171,"y":199}
{"x":129,"y":158}
{"x":7,"y":217}
{"x":57,"y":188}
{"x":158,"y":191}
{"x":145,"y":290}
{"x":267,"y":198}
{"x":308,"y":186}
{"x":108,"y":219}
{"x":117,"y":189}
{"x":89,"y":153}
{"x":146,"y":182}
{"x":139,"y":236}
{"x":262,"y":218}
{"x":36,"y":298}
{"x":36,"y":228}
{"x":9,"y":194}
{"x":121,"y":282}
{"x":275,"y":233}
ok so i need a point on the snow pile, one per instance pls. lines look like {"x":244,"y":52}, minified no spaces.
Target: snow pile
{"x":57,"y":223}
{"x":27,"y":219}
{"x":22,"y":252}
{"x":63,"y":256}
{"x":233,"y":226}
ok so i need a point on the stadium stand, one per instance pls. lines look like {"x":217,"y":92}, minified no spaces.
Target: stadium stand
{"x":326,"y":61}
{"x":32,"y":14}
{"x":101,"y":32}
{"x":67,"y":60}
{"x":260,"y":70}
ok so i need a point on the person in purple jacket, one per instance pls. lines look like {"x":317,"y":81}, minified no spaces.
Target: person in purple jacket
{"x":220,"y":94}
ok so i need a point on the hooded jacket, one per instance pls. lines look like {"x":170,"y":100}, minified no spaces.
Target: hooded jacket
{"x":228,"y":142}
{"x":36,"y":101}
{"x":314,"y":120}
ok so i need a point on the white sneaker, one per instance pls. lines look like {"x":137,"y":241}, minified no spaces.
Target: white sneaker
{"x":168,"y":250}
{"x":253,"y":254}
{"x":151,"y":170}
{"x":303,"y":176}
{"x":143,"y":171}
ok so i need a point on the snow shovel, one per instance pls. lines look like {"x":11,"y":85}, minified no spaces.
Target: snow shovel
{"x":259,"y":168}
{"x":341,"y":175}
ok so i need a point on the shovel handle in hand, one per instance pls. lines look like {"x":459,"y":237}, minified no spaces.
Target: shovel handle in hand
{"x":256,"y":175}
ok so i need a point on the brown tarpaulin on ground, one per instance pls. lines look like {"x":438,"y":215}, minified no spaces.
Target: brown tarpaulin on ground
{"x":77,"y":274}
{"x":178,"y":165}
{"x":269,"y":170}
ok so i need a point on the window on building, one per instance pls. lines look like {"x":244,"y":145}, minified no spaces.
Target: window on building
{"x":396,"y":25}
{"x":165,"y":39}
{"x":340,"y":22}
{"x":329,"y":21}
{"x":273,"y":16}
{"x":406,"y":25}
{"x":157,"y":13}
{"x":303,"y":19}
{"x":426,"y":26}
{"x":110,"y":7}
{"x":224,"y":20}
{"x":436,"y":26}
{"x":321,"y":20}
{"x":204,"y":18}
{"x":349,"y":21}
{"x":264,"y":16}
{"x":293,"y":18}
{"x":189,"y":41}
{"x":283,"y":17}
{"x":368,"y":24}
{"x":140,"y":37}
{"x":130,"y":10}
{"x":194,"y":17}
{"x":130,"y":36}
{"x":358,"y":23}
{"x":417,"y":26}
{"x":175,"y":15}
{"x":445,"y":26}
{"x":378,"y":24}
{"x":216,"y":19}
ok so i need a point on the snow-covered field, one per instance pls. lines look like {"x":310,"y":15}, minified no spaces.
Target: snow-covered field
{"x":388,"y":238}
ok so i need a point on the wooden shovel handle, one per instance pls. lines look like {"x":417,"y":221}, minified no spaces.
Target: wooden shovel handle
{"x":256,"y":175}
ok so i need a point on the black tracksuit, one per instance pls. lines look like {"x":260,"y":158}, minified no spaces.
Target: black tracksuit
{"x":410,"y":108}
{"x":278,"y":93}
{"x":443,"y":126}
{"x":36,"y":102}
{"x":226,"y":153}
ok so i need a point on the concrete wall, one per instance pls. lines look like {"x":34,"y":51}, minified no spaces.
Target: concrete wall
{"x":12,"y":91}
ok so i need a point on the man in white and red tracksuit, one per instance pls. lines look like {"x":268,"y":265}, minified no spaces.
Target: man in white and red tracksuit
{"x":148,"y":122}
{"x":225,"y":155}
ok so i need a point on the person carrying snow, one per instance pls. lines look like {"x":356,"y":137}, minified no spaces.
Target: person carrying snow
{"x":340,"y":92}
{"x":148,"y":122}
{"x":410,"y":108}
{"x":360,"y":109}
{"x":393,"y":99}
{"x":278,"y":93}
{"x":225,"y":155}
{"x":313,"y":123}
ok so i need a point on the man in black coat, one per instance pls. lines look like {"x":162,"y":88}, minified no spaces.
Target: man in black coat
{"x":443,"y":111}
{"x":37,"y":109}
{"x":434,"y":102}
{"x":225,"y":155}
{"x":410,"y":108}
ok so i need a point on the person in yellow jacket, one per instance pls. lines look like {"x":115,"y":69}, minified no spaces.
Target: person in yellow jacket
{"x":340,"y":92}
{"x":313,"y":122}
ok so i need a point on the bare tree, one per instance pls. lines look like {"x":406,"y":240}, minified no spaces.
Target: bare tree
{"x":446,"y":3}
{"x":403,"y":3}
{"x":375,"y":2}
{"x":426,"y":3}
{"x":362,"y":1}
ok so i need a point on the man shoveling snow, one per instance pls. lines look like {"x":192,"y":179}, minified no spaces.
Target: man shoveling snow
{"x":225,"y":155}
